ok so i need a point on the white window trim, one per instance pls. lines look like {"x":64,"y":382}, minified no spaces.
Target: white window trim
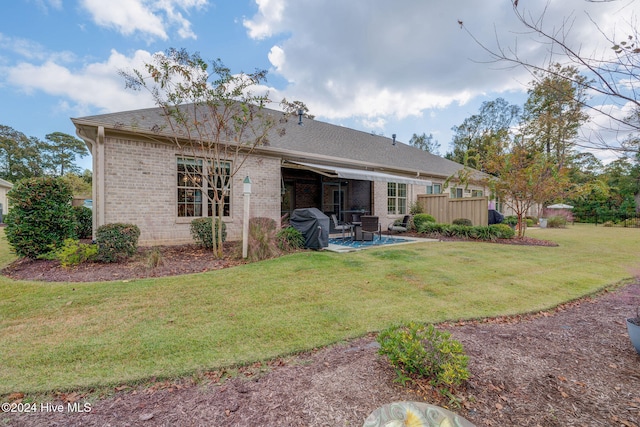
{"x":398,"y":200}
{"x":204,"y":188}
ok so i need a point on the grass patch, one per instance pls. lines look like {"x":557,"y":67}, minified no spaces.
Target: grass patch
{"x":61,"y":336}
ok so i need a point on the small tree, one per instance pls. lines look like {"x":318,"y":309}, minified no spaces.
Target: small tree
{"x":524,"y":177}
{"x":41,"y":216}
{"x":214,"y":118}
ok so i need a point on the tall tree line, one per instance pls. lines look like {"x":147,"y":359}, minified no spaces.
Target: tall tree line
{"x":25,"y":157}
{"x":533,"y":151}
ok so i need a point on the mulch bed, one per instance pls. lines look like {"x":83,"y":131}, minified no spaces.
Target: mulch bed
{"x":175,"y":260}
{"x":572,"y":366}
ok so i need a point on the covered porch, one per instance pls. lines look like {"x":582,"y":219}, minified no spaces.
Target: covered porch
{"x":346,"y":192}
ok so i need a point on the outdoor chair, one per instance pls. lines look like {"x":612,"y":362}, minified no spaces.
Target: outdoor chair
{"x":370,"y":225}
{"x":338,"y":226}
{"x":402,"y":227}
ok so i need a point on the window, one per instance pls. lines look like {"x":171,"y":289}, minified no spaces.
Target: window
{"x":396,"y":198}
{"x":222,"y":181}
{"x":189,"y":187}
{"x":434,"y":189}
{"x":476,"y":193}
{"x":192,"y":185}
{"x":456,"y":193}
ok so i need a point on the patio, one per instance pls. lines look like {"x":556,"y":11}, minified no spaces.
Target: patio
{"x":349,"y":244}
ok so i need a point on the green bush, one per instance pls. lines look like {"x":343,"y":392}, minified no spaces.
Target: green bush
{"x":464,"y":231}
{"x":41,"y":217}
{"x":289,"y":238}
{"x":422,"y":218}
{"x":84,"y":222}
{"x":421,"y":351}
{"x":502,"y":231}
{"x":482,"y":232}
{"x":117,"y":241}
{"x":462,"y":221}
{"x":491,"y":232}
{"x":433,"y":228}
{"x":415,"y":208}
{"x":557,"y":222}
{"x":530,"y":222}
{"x":510,"y":220}
{"x":262,"y":242}
{"x":72,"y":252}
{"x":202,"y":232}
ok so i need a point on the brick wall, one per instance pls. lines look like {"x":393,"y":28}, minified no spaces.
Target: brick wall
{"x":141,"y":188}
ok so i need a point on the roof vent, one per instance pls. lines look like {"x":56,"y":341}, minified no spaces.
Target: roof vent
{"x":394,"y":138}
{"x":300,"y":113}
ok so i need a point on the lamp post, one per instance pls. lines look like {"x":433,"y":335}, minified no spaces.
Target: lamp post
{"x":246,"y":191}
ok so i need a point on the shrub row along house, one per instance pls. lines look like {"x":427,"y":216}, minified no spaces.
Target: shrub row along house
{"x":139,"y":175}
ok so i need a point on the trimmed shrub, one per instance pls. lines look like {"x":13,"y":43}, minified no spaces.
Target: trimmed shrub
{"x":502,"y":231}
{"x":462,"y":221}
{"x":202,"y":233}
{"x":530,"y":222}
{"x":288,"y":238}
{"x":422,"y":218}
{"x":510,"y":220}
{"x":41,"y":217}
{"x":84,"y":221}
{"x":117,"y":241}
{"x":557,"y":222}
{"x":421,"y":351}
{"x":262,"y":242}
{"x":72,"y":252}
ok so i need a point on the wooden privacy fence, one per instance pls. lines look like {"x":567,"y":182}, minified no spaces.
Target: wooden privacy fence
{"x":446,"y":209}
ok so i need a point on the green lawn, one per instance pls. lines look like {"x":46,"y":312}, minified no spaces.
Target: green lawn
{"x":56,"y":336}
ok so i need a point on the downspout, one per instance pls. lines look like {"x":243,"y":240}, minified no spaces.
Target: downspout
{"x":96,"y":147}
{"x":99,"y":185}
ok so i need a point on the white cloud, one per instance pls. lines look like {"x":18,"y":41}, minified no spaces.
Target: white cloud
{"x":30,"y":50}
{"x":95,"y":85}
{"x":151,"y":18}
{"x":277,"y":58}
{"x":378,"y":123}
{"x":266,"y":22}
{"x":381,"y":59}
{"x":44,"y":5}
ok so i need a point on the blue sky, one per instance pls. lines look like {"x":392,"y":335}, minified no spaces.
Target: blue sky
{"x":390,"y":67}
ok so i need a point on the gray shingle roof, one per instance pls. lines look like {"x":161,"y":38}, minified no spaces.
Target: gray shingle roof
{"x":316,"y":139}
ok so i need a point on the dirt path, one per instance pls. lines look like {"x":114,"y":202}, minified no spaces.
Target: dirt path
{"x":572,"y":367}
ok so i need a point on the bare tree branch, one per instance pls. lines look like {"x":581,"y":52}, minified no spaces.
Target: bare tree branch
{"x":613,"y":81}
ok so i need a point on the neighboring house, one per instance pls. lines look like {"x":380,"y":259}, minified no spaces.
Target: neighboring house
{"x":5,"y":186}
{"x":137,"y":175}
